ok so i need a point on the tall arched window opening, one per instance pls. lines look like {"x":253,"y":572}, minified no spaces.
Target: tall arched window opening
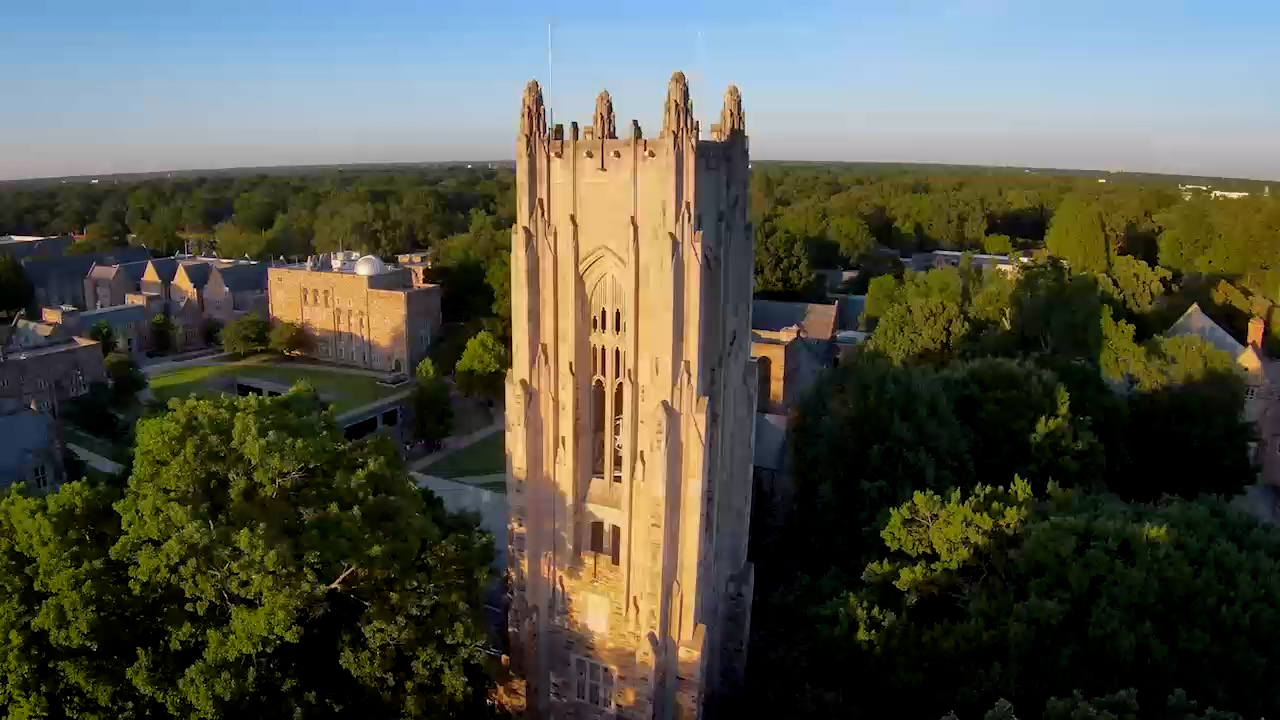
{"x":608,"y":364}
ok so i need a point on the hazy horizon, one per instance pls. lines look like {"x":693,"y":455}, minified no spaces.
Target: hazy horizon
{"x":148,"y":87}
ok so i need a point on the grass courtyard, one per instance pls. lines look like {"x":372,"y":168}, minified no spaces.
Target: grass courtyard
{"x":346,"y":391}
{"x":486,"y":456}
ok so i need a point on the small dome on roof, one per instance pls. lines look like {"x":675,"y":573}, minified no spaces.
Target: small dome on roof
{"x":370,"y":265}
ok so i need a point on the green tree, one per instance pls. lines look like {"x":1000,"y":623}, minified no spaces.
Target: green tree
{"x":211,"y":331}
{"x":997,"y":244}
{"x":899,"y":423}
{"x":1019,"y":422}
{"x":289,"y":573}
{"x":482,"y":366}
{"x":289,"y":338}
{"x":1076,"y":234}
{"x":161,"y":333}
{"x":782,"y":266}
{"x":925,"y":321}
{"x":125,"y":377}
{"x":432,"y":409}
{"x":1187,"y":237}
{"x":16,"y":292}
{"x":246,"y":334}
{"x":426,"y":370}
{"x":1134,"y":285}
{"x":105,"y":335}
{"x":852,"y":236}
{"x":1122,"y":705}
{"x":68,"y":623}
{"x":978,"y":600}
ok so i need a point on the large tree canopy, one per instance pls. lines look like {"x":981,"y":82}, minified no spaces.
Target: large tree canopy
{"x":255,"y":565}
{"x":1038,"y":600}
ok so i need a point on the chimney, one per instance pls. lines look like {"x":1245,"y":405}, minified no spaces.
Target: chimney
{"x":1257,"y":328}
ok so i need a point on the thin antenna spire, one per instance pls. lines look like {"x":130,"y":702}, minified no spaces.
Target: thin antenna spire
{"x":698,"y":73}
{"x":550,"y":98}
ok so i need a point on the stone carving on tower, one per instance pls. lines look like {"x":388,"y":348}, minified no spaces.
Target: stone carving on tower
{"x":629,"y":415}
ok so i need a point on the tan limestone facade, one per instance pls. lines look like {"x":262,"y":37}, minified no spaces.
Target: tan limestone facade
{"x":629,"y":416}
{"x":358,"y":312}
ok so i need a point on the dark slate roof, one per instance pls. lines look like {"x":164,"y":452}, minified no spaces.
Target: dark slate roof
{"x":244,"y":277}
{"x":131,"y":270}
{"x":850,"y":309}
{"x":40,"y":269}
{"x":25,"y":432}
{"x":1195,"y":322}
{"x":165,"y":267}
{"x":115,"y":315}
{"x":198,"y":272}
{"x":817,"y":321}
{"x":771,"y":441}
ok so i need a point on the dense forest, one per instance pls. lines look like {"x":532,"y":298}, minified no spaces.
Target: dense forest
{"x":1018,"y":495}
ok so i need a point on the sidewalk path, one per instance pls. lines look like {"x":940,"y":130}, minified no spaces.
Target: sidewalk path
{"x":455,"y":443}
{"x":170,"y":365}
{"x":94,"y":460}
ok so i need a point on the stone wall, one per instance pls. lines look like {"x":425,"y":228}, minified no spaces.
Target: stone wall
{"x":630,"y":408}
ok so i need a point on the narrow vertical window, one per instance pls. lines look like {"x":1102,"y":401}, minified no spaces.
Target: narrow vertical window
{"x":617,"y":432}
{"x":597,"y":427}
{"x":615,"y":544}
{"x":597,"y":537}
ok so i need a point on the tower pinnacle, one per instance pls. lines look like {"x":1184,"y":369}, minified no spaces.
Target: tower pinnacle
{"x":731,"y":118}
{"x":677,"y":117}
{"x":604,"y":123}
{"x":533,"y":116}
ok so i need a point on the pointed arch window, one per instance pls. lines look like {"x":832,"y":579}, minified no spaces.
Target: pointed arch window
{"x":608,"y":369}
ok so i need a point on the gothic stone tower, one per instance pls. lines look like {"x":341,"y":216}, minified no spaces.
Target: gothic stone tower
{"x":630,"y":408}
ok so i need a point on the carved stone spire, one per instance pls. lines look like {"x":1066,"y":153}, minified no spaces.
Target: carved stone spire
{"x":604,"y":123}
{"x":677,"y":117}
{"x":533,"y":115}
{"x":731,"y":118}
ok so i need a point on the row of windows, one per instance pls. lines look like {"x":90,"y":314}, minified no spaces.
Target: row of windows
{"x":593,"y":682}
{"x":600,"y":322}
{"x":315,"y":297}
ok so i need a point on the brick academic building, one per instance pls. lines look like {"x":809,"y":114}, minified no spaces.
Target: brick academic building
{"x":357,"y":311}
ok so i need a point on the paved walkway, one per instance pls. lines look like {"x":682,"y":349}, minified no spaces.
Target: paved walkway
{"x":94,"y":460}
{"x":455,"y":443}
{"x":328,"y":368}
{"x":171,"y":365}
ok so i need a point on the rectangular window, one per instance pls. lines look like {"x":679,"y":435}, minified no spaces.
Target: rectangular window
{"x":593,"y":682}
{"x":1250,"y":393}
{"x":615,"y":544}
{"x":40,"y":476}
{"x":597,"y":537}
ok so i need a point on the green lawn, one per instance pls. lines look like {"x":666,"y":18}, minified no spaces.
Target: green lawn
{"x":344,"y":390}
{"x":486,"y":456}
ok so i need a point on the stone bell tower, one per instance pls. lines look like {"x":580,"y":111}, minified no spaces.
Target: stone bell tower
{"x":630,"y":409}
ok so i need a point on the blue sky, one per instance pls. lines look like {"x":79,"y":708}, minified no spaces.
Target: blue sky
{"x":91,"y":87}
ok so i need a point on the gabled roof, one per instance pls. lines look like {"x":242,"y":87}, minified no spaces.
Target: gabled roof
{"x":244,"y":277}
{"x":30,"y":333}
{"x":1195,"y":322}
{"x":197,"y":273}
{"x":164,"y":267}
{"x":817,"y":321}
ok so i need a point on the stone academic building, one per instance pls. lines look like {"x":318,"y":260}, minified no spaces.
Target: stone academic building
{"x":630,"y":407}
{"x":358,"y":311}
